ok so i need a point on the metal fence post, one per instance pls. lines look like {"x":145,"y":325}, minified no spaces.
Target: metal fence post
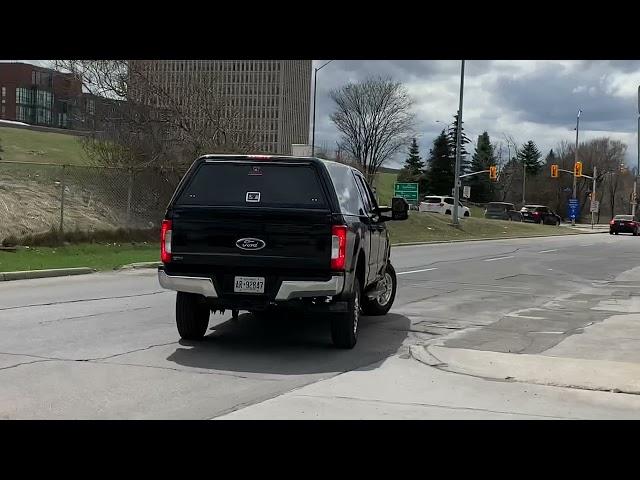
{"x":62,"y":186}
{"x":129,"y":193}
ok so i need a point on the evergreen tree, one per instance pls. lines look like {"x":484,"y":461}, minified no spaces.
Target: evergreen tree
{"x":414,"y":164}
{"x":530,"y":156}
{"x":465,"y":165}
{"x":482,"y":188}
{"x":441,"y":167}
{"x":551,"y":158}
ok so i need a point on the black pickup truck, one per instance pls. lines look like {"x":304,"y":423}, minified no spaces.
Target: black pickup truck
{"x":250,"y":232}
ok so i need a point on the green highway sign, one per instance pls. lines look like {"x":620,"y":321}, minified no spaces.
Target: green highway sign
{"x":408,"y":191}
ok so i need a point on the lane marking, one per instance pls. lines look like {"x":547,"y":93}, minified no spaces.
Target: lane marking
{"x":586,"y":244}
{"x":548,"y":251}
{"x":498,"y":258}
{"x":417,"y":271}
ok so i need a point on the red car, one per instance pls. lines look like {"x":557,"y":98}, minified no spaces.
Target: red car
{"x":623,"y":224}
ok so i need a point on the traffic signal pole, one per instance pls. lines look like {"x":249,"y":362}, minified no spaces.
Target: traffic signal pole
{"x":573,"y":219}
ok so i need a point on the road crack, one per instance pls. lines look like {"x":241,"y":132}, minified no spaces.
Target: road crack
{"x":432,"y":405}
{"x":64,"y":302}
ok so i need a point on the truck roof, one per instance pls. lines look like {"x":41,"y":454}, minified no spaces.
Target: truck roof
{"x":234,"y":156}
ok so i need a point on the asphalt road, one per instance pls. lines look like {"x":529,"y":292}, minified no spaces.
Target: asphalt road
{"x":105,"y":345}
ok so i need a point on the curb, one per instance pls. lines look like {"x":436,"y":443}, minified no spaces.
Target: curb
{"x":136,"y":266}
{"x":489,"y":239}
{"x":54,"y":272}
{"x":577,"y":373}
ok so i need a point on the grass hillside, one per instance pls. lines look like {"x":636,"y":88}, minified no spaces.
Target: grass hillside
{"x":22,"y":145}
{"x":427,"y":227}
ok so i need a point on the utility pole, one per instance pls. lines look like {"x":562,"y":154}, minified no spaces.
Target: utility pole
{"x":573,"y":220}
{"x":635,"y":182}
{"x":524,"y":182}
{"x":456,"y":180}
{"x":593,"y":192}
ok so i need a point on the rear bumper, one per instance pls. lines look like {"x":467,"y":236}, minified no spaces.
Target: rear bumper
{"x":622,"y":229}
{"x":289,"y":289}
{"x":199,"y":285}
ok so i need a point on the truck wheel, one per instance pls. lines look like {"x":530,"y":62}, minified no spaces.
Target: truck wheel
{"x":192,"y":316}
{"x":344,"y":326}
{"x":382,"y":304}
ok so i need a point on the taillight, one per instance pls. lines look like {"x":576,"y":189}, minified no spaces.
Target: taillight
{"x":338,"y":247}
{"x":165,"y":241}
{"x":612,"y":222}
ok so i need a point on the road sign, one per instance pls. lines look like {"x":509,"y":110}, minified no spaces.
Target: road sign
{"x":595,"y":206}
{"x":408,"y":191}
{"x":573,"y":208}
{"x":466,"y":191}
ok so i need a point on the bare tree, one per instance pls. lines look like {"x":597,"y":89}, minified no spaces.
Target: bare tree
{"x":605,"y":154}
{"x":510,"y":174}
{"x":145,"y":123}
{"x":375,"y":120}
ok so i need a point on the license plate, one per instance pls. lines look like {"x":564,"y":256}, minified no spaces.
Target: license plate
{"x":248,"y":285}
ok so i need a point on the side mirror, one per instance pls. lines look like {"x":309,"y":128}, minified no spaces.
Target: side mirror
{"x":399,"y":208}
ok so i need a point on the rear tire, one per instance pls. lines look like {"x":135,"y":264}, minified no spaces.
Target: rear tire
{"x":344,"y":326}
{"x":448,"y":212}
{"x":192,"y":316}
{"x":382,"y":304}
{"x":466,"y":214}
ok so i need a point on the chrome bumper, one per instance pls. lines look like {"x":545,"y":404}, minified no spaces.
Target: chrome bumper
{"x":289,"y":289}
{"x":304,"y":288}
{"x":202,"y":286}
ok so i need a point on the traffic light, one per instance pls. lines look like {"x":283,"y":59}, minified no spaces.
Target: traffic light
{"x":578,"y":169}
{"x":493,"y":173}
{"x":554,"y":171}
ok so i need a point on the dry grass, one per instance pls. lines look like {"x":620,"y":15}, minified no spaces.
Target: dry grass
{"x":28,"y":206}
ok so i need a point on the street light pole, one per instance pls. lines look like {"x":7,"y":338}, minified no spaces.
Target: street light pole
{"x":573,"y":219}
{"x":456,"y":189}
{"x":313,"y":134}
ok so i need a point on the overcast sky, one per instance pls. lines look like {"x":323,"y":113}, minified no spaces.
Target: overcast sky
{"x":535,"y":100}
{"x":532,"y":99}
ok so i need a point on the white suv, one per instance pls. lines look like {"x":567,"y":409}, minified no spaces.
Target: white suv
{"x":443,"y":205}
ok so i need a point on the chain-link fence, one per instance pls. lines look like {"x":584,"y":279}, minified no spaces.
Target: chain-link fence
{"x":36,"y":197}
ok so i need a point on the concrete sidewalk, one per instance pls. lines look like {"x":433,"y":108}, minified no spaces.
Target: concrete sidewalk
{"x":586,"y":228}
{"x":403,"y":388}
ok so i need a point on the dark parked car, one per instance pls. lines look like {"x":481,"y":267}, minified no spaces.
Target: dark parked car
{"x":247,"y":232}
{"x":539,"y":214}
{"x":502,"y":211}
{"x":623,"y":224}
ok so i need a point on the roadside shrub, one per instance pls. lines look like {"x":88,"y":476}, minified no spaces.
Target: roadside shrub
{"x":55,"y":238}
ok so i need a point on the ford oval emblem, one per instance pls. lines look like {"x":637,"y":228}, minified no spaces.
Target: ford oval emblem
{"x":250,"y":244}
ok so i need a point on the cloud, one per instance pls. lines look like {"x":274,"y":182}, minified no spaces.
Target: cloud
{"x":533,"y":99}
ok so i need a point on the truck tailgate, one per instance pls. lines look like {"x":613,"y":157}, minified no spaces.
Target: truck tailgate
{"x":246,"y":238}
